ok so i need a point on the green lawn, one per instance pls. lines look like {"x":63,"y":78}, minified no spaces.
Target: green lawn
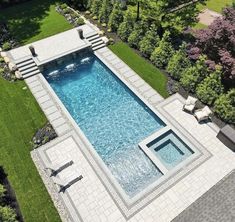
{"x":20,"y":117}
{"x":200,"y":26}
{"x":145,"y":69}
{"x":34,"y":20}
{"x":217,"y":5}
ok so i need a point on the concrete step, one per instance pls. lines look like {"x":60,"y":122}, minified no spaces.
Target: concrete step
{"x":24,"y":63}
{"x":97,"y":43}
{"x":29,"y":70}
{"x":98,"y":47}
{"x":26,"y":67}
{"x":96,"y":40}
{"x":23,"y":60}
{"x":31,"y":74}
{"x":93,"y":37}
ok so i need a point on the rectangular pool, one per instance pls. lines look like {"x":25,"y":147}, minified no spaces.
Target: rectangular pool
{"x":113,"y":118}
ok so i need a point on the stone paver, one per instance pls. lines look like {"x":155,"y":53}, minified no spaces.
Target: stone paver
{"x":216,"y":205}
{"x":53,"y":47}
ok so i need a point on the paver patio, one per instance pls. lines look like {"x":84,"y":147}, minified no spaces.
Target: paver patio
{"x":91,"y":201}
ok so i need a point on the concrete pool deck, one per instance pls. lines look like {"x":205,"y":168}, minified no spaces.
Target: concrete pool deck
{"x":94,"y":198}
{"x":90,"y":200}
{"x":54,"y":47}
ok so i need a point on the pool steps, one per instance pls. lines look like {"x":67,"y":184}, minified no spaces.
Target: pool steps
{"x":96,"y":41}
{"x":27,"y":68}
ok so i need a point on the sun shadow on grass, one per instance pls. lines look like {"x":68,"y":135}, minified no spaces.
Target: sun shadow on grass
{"x":26,"y":20}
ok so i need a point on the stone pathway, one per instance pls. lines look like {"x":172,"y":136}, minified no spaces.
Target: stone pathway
{"x":216,"y":205}
{"x":207,"y":16}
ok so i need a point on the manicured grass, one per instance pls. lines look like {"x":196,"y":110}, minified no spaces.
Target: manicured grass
{"x":34,"y":20}
{"x":200,"y":26}
{"x":216,"y":5}
{"x":145,"y":69}
{"x":20,"y":117}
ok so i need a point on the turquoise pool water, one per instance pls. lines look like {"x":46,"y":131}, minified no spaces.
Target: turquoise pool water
{"x":170,"y":149}
{"x":110,"y":115}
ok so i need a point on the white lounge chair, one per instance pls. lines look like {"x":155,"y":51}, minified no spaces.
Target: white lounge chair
{"x":56,"y":168}
{"x":64,"y":184}
{"x":202,"y":114}
{"x":190,"y":104}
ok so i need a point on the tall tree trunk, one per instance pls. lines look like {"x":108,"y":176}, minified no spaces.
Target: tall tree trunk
{"x":138,"y":11}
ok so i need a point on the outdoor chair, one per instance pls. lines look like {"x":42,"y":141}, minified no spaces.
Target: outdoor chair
{"x":202,"y":114}
{"x":65,"y":184}
{"x":190,"y":104}
{"x":56,"y":168}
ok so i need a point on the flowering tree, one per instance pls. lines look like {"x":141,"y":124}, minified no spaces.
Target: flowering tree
{"x":218,"y":43}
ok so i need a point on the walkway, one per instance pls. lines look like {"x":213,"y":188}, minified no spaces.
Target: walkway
{"x":216,"y":205}
{"x":207,"y":16}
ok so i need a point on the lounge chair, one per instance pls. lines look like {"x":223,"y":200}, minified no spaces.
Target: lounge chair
{"x":202,"y":114}
{"x":56,"y":168}
{"x":64,"y":184}
{"x":189,"y":105}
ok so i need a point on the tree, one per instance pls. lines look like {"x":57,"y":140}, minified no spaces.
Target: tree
{"x":211,"y":87}
{"x":137,"y":34}
{"x":95,"y":7}
{"x":116,"y":17}
{"x":169,"y":14}
{"x":105,"y":11}
{"x":7,"y":214}
{"x":224,"y":106}
{"x":149,"y":41}
{"x":218,"y":43}
{"x":126,"y":27}
{"x":162,"y":54}
{"x":178,"y":63}
{"x":194,"y":74}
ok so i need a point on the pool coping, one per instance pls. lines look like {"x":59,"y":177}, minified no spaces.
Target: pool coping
{"x":127,"y":209}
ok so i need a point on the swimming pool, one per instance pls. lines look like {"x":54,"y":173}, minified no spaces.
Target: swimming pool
{"x":111,"y":116}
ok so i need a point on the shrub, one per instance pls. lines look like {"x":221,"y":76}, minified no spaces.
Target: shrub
{"x":211,"y":87}
{"x":73,"y":15}
{"x":105,"y":11}
{"x":6,"y":46}
{"x":115,"y":18}
{"x":137,"y":34}
{"x":95,"y":7}
{"x":194,"y":74}
{"x":126,"y":27}
{"x":66,"y":11}
{"x":63,"y":6}
{"x":80,"y":21}
{"x":7,"y":214}
{"x":111,"y":41}
{"x":1,"y":71}
{"x":149,"y":42}
{"x":2,"y":192}
{"x":1,"y":59}
{"x":162,"y":54}
{"x":224,"y":106}
{"x":178,"y":63}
